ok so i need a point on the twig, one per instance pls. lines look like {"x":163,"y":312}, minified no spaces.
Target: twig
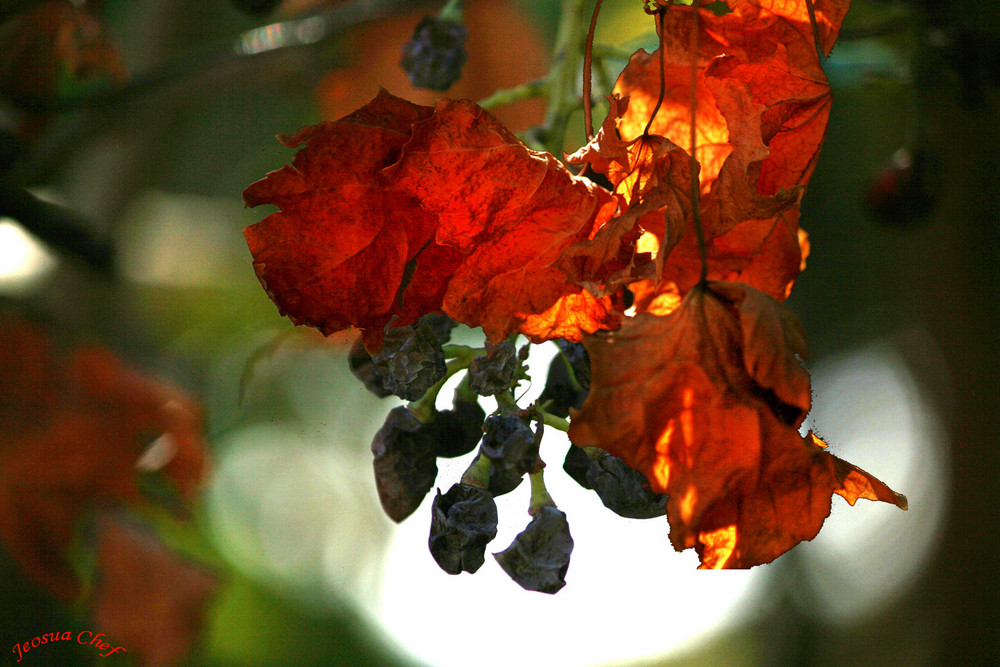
{"x":588,"y":55}
{"x":695,"y":167}
{"x":58,"y":226}
{"x":252,"y":46}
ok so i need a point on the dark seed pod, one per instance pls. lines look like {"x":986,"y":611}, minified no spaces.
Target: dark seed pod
{"x":411,"y":361}
{"x":459,"y":430}
{"x":463,"y":522}
{"x":434,"y":56}
{"x":538,"y":557}
{"x":492,"y":374}
{"x":404,"y":463}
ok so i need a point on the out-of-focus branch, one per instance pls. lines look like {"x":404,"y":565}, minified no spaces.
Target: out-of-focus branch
{"x":251,"y":48}
{"x":57,"y":226}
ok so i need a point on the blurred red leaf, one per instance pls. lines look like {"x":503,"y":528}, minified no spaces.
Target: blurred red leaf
{"x":506,"y":49}
{"x":47,"y":45}
{"x":707,"y":402}
{"x":73,"y":437}
{"x":147,"y":599}
{"x":398,"y":210}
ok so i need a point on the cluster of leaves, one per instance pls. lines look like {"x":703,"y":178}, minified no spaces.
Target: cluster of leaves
{"x":86,"y":440}
{"x":672,"y":280}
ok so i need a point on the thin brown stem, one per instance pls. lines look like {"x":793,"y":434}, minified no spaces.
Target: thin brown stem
{"x":588,"y":57}
{"x":815,"y":28}
{"x":695,"y":169}
{"x":663,"y":82}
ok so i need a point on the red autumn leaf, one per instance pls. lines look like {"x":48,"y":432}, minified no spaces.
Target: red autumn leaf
{"x":148,"y":600}
{"x":337,"y":252}
{"x":399,"y":210}
{"x":762,"y":108}
{"x":72,"y":440}
{"x":707,"y":402}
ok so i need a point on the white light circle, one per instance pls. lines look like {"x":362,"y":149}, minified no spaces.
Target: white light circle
{"x":872,"y":413}
{"x":24,"y":261}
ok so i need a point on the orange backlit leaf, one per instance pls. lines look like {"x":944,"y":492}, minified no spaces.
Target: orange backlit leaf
{"x":718,"y":546}
{"x":652,"y":179}
{"x":762,"y":108}
{"x":399,"y":210}
{"x":90,"y":423}
{"x":829,"y":16}
{"x":707,"y":402}
{"x":571,"y":315}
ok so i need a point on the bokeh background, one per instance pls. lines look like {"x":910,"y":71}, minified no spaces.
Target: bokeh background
{"x":146,"y":160}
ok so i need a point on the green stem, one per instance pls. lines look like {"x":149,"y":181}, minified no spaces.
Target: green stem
{"x":552,"y":420}
{"x":567,"y":57}
{"x":478,"y":473}
{"x":536,"y":88}
{"x":423,"y":408}
{"x":452,"y":351}
{"x":451,"y":11}
{"x":506,"y":403}
{"x":464,"y":393}
{"x":539,"y":494}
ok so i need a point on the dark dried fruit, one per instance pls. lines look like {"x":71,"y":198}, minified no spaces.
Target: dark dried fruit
{"x":494,"y":373}
{"x":434,"y":56}
{"x":463,"y":522}
{"x":440,"y":324}
{"x":623,"y":490}
{"x":560,"y":394}
{"x":538,"y":557}
{"x":576,"y":465}
{"x":405,"y":465}
{"x":510,"y":445}
{"x":361,"y":365}
{"x":502,"y":483}
{"x":459,"y":430}
{"x":411,"y":361}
